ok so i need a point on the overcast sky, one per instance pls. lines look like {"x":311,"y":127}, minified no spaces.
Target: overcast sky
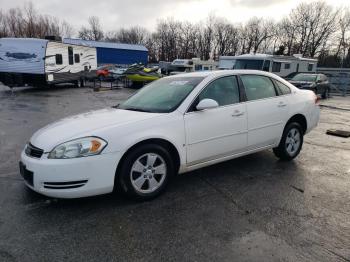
{"x":125,"y":13}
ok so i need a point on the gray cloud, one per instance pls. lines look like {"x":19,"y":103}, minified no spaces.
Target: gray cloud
{"x":256,"y":3}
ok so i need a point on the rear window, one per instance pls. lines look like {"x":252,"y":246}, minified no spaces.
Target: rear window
{"x":282,"y":88}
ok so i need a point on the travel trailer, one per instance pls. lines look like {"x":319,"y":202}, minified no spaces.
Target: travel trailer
{"x":283,"y":66}
{"x":187,"y":65}
{"x":38,"y":62}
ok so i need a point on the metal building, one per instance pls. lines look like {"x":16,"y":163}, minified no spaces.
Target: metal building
{"x":114,"y":53}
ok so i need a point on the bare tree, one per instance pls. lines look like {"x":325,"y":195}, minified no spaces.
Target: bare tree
{"x":314,"y":23}
{"x":134,"y":35}
{"x":94,"y":31}
{"x":3,"y":26}
{"x":342,"y":37}
{"x":27,"y":22}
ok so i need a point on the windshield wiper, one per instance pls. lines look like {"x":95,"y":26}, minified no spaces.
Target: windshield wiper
{"x":116,"y":106}
{"x":136,"y":109}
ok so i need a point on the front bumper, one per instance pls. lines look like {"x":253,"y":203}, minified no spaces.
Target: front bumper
{"x":71,"y":178}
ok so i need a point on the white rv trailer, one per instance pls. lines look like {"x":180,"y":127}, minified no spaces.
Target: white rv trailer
{"x":284,"y":66}
{"x":187,"y":65}
{"x":39,"y":61}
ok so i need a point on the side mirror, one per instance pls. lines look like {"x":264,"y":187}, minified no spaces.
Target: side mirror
{"x":206,"y":104}
{"x":318,"y":81}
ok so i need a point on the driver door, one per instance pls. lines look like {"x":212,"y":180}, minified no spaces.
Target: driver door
{"x":217,"y":132}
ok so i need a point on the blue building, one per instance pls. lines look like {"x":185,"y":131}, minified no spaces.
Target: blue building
{"x":114,"y":53}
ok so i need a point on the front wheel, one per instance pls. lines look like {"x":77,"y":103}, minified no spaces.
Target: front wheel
{"x":291,"y":142}
{"x":145,"y":172}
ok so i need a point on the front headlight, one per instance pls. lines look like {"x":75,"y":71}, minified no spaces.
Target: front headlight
{"x":81,"y":147}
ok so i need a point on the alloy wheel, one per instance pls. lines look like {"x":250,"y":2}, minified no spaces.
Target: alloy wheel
{"x":293,"y":141}
{"x":148,"y":173}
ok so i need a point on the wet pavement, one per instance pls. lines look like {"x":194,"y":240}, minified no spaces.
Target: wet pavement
{"x":253,"y":208}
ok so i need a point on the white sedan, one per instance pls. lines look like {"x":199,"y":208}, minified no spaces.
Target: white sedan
{"x":173,"y":125}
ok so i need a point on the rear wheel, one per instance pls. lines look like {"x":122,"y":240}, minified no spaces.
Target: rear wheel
{"x":291,"y":142}
{"x":145,"y":172}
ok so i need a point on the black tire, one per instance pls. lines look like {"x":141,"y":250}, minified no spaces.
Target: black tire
{"x":124,"y":178}
{"x":325,"y":94}
{"x":77,"y":83}
{"x":281,"y":151}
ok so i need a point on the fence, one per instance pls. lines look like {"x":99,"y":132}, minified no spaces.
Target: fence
{"x":339,"y":79}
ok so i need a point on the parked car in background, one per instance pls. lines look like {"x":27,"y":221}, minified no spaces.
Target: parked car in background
{"x":316,"y":82}
{"x":173,"y":125}
{"x":111,"y":71}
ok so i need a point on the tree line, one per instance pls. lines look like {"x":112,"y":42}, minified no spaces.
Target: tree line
{"x":313,"y":29}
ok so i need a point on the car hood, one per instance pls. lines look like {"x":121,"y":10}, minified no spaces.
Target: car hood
{"x":85,"y":124}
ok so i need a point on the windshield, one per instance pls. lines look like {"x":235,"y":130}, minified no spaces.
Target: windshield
{"x":248,"y":64}
{"x":304,"y":77}
{"x":163,"y":95}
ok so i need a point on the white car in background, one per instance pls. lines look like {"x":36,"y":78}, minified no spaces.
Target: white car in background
{"x":173,"y":125}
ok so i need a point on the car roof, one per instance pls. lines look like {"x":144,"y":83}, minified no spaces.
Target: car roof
{"x":224,"y":72}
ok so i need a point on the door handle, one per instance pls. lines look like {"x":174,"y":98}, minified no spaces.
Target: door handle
{"x":281,"y":104}
{"x":237,"y":113}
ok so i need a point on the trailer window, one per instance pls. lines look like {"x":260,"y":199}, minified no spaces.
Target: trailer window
{"x":310,"y":67}
{"x":59,"y":59}
{"x":266,"y":66}
{"x":248,"y":64}
{"x":276,"y":67}
{"x":70,"y":55}
{"x":287,"y":66}
{"x":76,"y":58}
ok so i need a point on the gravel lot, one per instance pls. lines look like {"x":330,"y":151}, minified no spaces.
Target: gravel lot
{"x":254,"y":208}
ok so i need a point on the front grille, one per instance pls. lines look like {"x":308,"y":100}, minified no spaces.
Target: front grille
{"x":33,"y":151}
{"x":65,"y":185}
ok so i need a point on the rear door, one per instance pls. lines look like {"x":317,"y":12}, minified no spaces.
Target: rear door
{"x":267,"y":111}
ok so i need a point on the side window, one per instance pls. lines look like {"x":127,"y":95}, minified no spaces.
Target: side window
{"x":276,"y":67}
{"x":287,"y":66}
{"x":310,"y":67}
{"x":258,"y":87}
{"x":282,"y":88}
{"x":59,"y":59}
{"x":223,"y":90}
{"x":70,"y":55}
{"x":266,"y":66}
{"x":76,"y":58}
